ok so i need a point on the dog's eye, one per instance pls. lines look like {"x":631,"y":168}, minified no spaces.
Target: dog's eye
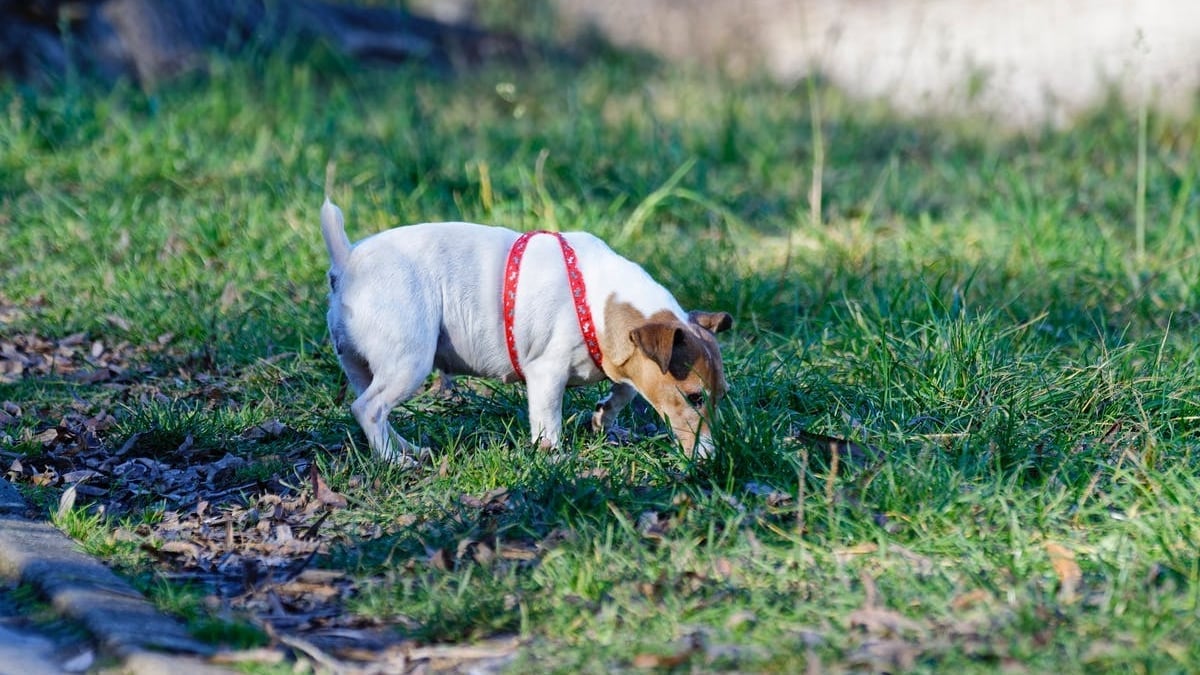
{"x":696,"y":399}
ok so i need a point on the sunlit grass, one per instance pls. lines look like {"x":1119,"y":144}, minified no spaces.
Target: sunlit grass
{"x":970,"y":306}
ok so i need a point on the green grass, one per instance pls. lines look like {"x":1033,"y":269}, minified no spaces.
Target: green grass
{"x":972,"y":305}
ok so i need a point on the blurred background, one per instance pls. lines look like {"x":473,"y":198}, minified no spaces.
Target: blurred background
{"x":1020,"y":62}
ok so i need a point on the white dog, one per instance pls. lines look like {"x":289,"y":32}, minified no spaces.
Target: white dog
{"x":554,"y":310}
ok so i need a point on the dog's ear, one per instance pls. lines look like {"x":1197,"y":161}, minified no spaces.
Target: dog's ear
{"x":657,"y":341}
{"x":713,"y":322}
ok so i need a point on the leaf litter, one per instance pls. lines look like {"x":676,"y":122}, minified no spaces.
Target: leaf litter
{"x":250,"y":543}
{"x":253,"y":543}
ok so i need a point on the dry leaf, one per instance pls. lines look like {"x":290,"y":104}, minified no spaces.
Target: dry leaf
{"x":441,"y":559}
{"x":48,"y":437}
{"x":653,"y":525}
{"x":692,"y":645}
{"x":119,"y":322}
{"x":230,"y":296}
{"x":742,"y":617}
{"x":322,"y":492}
{"x":886,"y":656}
{"x":844,"y":555}
{"x":880,"y":621}
{"x":1069,"y":574}
{"x":267,"y":430}
{"x":259,"y":655}
{"x":655,"y":661}
{"x":66,"y":502}
{"x":970,"y":599}
{"x":181,"y":548}
{"x":80,"y":475}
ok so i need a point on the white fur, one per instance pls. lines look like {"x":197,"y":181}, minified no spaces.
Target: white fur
{"x":413,"y":298}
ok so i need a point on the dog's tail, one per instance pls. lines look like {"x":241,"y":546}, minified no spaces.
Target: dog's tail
{"x":333,"y":227}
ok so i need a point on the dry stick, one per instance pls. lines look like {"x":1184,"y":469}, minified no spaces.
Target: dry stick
{"x":830,"y":481}
{"x":311,"y":532}
{"x":1139,"y":206}
{"x":800,"y":491}
{"x":856,"y":454}
{"x":313,"y":652}
{"x":818,"y":169}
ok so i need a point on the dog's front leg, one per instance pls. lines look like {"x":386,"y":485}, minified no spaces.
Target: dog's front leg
{"x":605,"y":418}
{"x":545,"y":389}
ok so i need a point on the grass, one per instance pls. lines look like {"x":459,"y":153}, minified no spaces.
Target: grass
{"x":1009,"y":320}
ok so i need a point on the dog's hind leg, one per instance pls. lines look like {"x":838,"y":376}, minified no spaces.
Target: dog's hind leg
{"x":388,"y":389}
{"x":357,"y":370}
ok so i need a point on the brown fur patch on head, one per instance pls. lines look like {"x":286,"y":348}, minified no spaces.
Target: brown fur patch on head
{"x":675,"y":364}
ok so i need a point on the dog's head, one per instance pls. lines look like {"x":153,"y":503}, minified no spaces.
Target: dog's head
{"x":674,"y":364}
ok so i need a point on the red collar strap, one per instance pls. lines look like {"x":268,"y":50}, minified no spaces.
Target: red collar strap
{"x":512,"y":270}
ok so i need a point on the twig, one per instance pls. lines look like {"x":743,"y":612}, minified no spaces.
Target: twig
{"x":313,"y":652}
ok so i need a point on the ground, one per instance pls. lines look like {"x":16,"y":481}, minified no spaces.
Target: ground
{"x":962,"y":425}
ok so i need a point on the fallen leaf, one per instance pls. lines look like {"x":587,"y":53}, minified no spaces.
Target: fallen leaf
{"x":230,"y":296}
{"x":920,"y":563}
{"x":845,"y":554}
{"x":260,"y":655}
{"x":654,"y":661}
{"x":881,"y":621}
{"x":119,"y":322}
{"x":742,"y":617}
{"x":482,"y":552}
{"x":441,"y":559}
{"x":494,"y":500}
{"x":970,"y":599}
{"x":182,"y":548}
{"x":47,"y":437}
{"x":885,"y":656}
{"x":186,"y":445}
{"x":692,"y":645}
{"x":66,"y":502}
{"x":80,"y":475}
{"x":774,"y":496}
{"x":653,"y":525}
{"x":1062,"y":559}
{"x":322,"y":492}
{"x":510,"y":551}
{"x":266,"y":430}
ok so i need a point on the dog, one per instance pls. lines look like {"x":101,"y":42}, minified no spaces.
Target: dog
{"x":555,"y":310}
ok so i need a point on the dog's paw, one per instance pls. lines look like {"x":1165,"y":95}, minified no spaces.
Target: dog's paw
{"x":410,"y":458}
{"x":618,"y":436}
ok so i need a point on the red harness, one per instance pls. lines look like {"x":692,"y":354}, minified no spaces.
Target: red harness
{"x":512,"y":270}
